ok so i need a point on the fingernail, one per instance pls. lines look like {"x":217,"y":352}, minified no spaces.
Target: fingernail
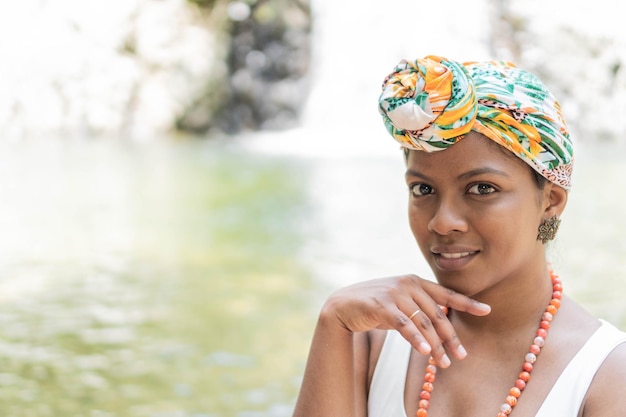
{"x":485,"y":307}
{"x":424,"y":347}
{"x":445,"y":361}
{"x":461,"y":350}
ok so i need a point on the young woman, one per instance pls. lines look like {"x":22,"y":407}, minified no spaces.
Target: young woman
{"x":489,"y":163}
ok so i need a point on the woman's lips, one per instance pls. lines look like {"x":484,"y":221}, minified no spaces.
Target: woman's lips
{"x":455,"y":255}
{"x":450,"y":260}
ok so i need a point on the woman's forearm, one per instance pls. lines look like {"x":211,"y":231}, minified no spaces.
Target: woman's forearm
{"x":328,"y":387}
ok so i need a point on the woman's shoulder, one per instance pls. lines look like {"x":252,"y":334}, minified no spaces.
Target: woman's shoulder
{"x":601,"y":351}
{"x":607,"y":394}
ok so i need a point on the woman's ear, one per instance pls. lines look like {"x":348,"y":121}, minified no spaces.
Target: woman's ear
{"x":555,"y":200}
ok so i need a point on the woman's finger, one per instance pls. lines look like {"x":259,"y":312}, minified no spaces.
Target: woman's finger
{"x":432,"y":323}
{"x":408,"y":329}
{"x":452,"y":299}
{"x":435,"y":337}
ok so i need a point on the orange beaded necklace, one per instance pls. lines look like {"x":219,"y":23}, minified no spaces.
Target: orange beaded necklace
{"x":535,"y":348}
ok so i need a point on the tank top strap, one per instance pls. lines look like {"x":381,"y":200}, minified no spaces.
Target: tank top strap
{"x":386,"y":395}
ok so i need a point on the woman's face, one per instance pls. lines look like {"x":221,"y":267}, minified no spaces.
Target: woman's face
{"x":474,"y":211}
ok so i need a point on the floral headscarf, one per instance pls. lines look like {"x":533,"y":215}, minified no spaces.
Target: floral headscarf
{"x":431,"y":103}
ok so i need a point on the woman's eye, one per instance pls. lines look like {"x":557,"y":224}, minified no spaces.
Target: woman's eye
{"x":481,"y":189}
{"x":420,"y":189}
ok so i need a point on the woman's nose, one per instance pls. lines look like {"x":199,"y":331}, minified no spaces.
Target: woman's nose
{"x":448,"y":217}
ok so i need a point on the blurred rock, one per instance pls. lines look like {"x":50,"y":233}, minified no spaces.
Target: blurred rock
{"x":268,"y":62}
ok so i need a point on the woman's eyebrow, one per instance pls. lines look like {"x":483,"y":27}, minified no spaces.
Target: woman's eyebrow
{"x":412,"y":173}
{"x":483,"y":170}
{"x":474,"y":172}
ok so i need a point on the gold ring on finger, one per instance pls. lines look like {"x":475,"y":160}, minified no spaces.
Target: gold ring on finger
{"x":414,"y":314}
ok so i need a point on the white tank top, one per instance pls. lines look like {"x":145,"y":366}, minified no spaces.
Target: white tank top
{"x":386,"y":396}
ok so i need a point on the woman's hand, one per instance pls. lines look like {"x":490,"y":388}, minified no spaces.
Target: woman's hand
{"x":408,"y":304}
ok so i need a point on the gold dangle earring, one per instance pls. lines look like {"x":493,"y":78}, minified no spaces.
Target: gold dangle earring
{"x":548,"y":229}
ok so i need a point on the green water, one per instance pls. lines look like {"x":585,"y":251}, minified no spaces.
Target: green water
{"x":182,"y":279}
{"x":152,"y":281}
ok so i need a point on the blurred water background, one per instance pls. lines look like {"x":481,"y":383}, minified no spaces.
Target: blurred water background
{"x":156,"y":274}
